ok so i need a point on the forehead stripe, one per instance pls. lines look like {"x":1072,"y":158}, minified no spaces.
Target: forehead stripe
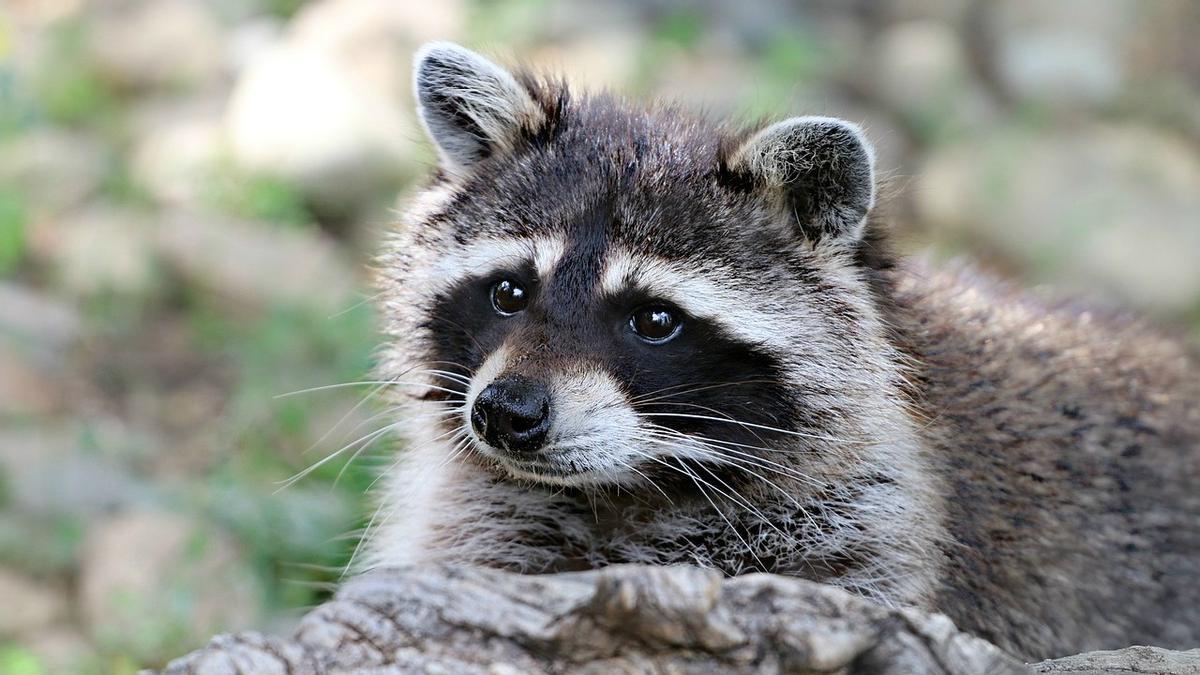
{"x":706,"y":294}
{"x":481,"y":257}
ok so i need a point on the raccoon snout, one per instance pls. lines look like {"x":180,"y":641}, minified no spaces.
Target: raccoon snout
{"x":513,"y":413}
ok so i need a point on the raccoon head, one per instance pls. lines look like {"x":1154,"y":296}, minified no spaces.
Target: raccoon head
{"x":593,"y":293}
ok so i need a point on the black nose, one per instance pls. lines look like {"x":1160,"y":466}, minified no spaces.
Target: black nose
{"x":512,"y":413}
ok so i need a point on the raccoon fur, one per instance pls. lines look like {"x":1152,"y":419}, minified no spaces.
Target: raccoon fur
{"x":619,"y":333}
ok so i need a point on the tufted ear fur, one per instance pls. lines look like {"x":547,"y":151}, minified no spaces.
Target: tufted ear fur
{"x":471,"y":107}
{"x":824,"y":168}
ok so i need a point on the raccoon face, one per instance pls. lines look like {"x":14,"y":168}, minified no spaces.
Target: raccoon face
{"x":598,"y":294}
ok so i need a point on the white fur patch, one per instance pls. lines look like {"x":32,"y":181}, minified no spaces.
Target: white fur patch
{"x":485,"y":256}
{"x":704,"y":293}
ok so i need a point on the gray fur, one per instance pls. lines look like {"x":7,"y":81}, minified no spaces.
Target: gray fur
{"x":1028,"y":469}
{"x":826,"y":160}
{"x":470,"y":106}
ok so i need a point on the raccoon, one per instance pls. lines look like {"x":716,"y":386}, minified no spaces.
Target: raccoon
{"x":624,"y":333}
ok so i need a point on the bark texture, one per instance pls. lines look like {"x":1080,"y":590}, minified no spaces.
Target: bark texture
{"x":625,"y":619}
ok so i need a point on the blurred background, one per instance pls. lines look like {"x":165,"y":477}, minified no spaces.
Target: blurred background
{"x":190,"y":191}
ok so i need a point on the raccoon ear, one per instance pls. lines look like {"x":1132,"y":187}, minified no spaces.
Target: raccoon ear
{"x":471,"y":107}
{"x":824,"y":167}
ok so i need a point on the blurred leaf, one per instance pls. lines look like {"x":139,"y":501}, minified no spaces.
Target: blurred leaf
{"x":13,"y":224}
{"x":504,"y":21}
{"x":793,"y":58}
{"x":5,"y":38}
{"x":244,"y":194}
{"x":16,"y":660}
{"x":40,"y":546}
{"x":68,"y":88}
{"x":120,"y":186}
{"x":284,"y":9}
{"x":296,"y":535}
{"x":293,"y":535}
{"x":681,"y":27}
{"x":16,"y":108}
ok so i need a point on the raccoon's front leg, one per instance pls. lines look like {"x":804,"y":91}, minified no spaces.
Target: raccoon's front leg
{"x":459,"y":512}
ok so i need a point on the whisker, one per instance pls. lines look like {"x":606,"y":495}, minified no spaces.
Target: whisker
{"x":462,"y":379}
{"x":368,"y":438}
{"x":648,"y":480}
{"x":747,"y":464}
{"x":702,"y":386}
{"x":362,"y":540}
{"x":761,"y":462}
{"x":712,"y":410}
{"x":745,"y":503}
{"x":355,"y":306}
{"x":384,"y":383}
{"x":371,"y":394}
{"x":700,"y":483}
{"x":453,"y":434}
{"x":464,"y":330}
{"x":764,"y":427}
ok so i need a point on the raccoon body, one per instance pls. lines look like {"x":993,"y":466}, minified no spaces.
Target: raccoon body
{"x":625,"y":334}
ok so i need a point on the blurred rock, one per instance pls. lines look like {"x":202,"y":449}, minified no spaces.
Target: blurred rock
{"x":105,"y":249}
{"x":37,"y":333}
{"x":54,"y":169}
{"x":250,"y":39}
{"x":24,"y":389}
{"x":712,"y":80}
{"x":150,"y":582}
{"x":1066,"y":53}
{"x":328,"y":106}
{"x":49,"y":474}
{"x":922,"y":72}
{"x":40,"y":13}
{"x":177,"y":147}
{"x":257,"y":263}
{"x":139,"y":44}
{"x":595,"y":59}
{"x":37,"y":546}
{"x":918,"y":61}
{"x":29,"y":605}
{"x":38,"y":320}
{"x":62,"y":648}
{"x":907,"y":10}
{"x":296,"y":114}
{"x":344,"y":24}
{"x":1114,"y":207}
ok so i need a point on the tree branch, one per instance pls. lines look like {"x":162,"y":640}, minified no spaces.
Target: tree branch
{"x":625,"y":619}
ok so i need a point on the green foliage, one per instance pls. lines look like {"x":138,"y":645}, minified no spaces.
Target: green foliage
{"x":16,"y":108}
{"x":120,"y":187}
{"x":244,"y":194}
{"x":13,"y":223}
{"x":794,"y":58}
{"x":790,"y":60}
{"x":68,"y":88}
{"x":504,"y":21}
{"x":40,"y":545}
{"x":17,"y":660}
{"x":284,"y":9}
{"x":294,"y":536}
{"x":682,"y":27}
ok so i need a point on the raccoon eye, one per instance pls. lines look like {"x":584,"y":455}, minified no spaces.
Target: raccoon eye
{"x":655,"y":324}
{"x":509,"y":297}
